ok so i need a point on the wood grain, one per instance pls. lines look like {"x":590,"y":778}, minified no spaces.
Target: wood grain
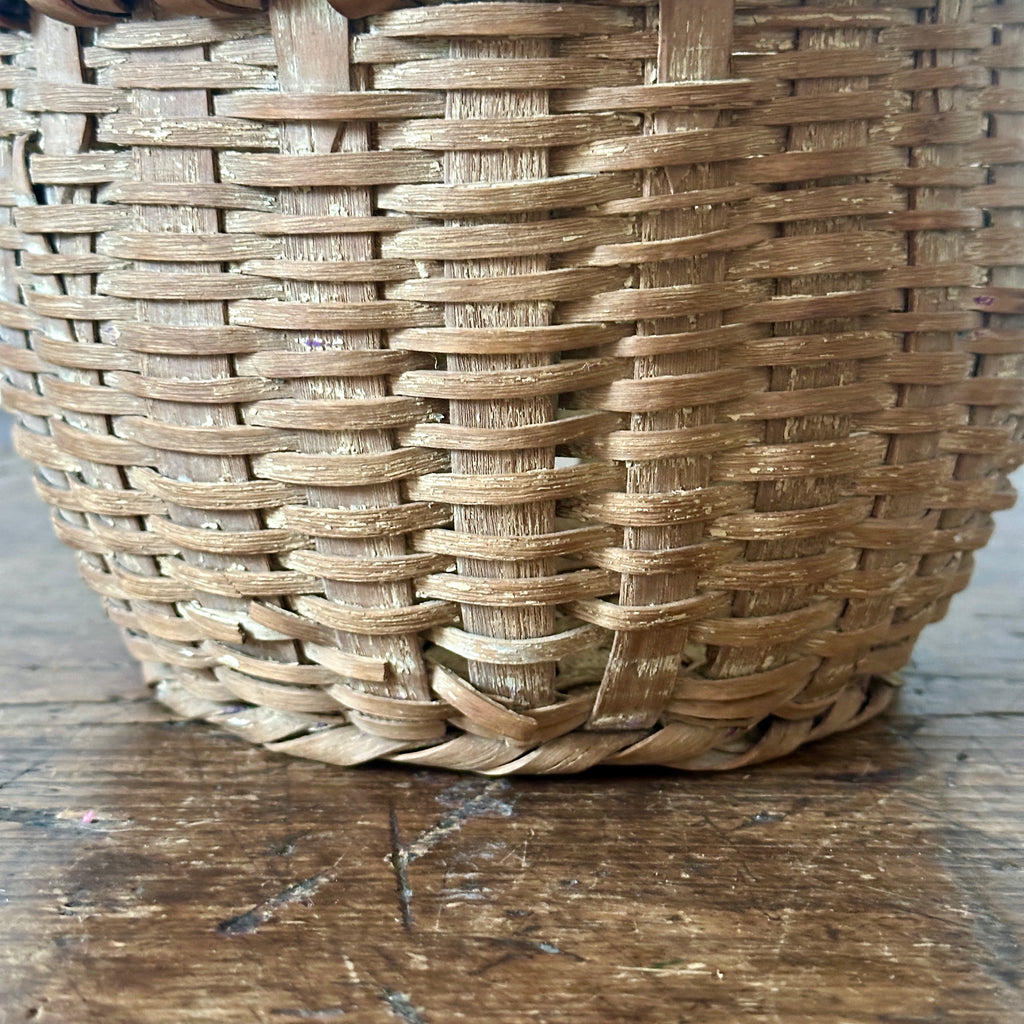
{"x":153,"y":871}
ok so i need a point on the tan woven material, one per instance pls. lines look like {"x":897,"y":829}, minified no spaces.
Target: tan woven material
{"x":519,"y":387}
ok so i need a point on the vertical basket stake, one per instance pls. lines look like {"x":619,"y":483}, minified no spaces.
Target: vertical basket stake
{"x":695,"y":44}
{"x":312,"y":42}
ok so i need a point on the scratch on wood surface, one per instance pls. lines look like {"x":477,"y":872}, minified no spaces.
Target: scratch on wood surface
{"x":472,"y":802}
{"x":300,"y":892}
{"x":401,"y":1007}
{"x":476,"y":805}
{"x":327,"y":1013}
{"x":20,"y":775}
{"x":399,"y":858}
{"x":523,"y":949}
{"x":287,"y":846}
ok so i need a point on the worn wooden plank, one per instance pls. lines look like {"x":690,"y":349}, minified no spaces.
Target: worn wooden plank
{"x":164,"y":872}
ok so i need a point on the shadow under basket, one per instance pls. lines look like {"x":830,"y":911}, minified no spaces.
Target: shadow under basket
{"x":518,"y":387}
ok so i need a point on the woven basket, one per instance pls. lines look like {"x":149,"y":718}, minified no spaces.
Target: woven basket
{"x":524,"y":386}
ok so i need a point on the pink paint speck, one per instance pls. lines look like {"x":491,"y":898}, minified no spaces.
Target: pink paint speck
{"x":89,"y":817}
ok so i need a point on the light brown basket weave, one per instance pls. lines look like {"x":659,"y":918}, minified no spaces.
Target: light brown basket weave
{"x":523,"y":386}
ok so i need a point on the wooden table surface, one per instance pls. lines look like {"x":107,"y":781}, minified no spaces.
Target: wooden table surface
{"x":154,"y":871}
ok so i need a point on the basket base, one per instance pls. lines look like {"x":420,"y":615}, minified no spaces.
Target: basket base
{"x":680,"y":746}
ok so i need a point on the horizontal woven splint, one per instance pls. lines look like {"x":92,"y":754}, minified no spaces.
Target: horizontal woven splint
{"x":518,"y":386}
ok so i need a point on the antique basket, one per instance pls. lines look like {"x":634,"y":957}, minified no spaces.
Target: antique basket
{"x":518,"y":386}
